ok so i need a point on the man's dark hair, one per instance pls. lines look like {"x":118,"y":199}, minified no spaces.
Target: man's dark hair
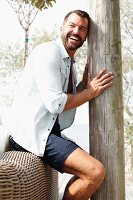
{"x":80,"y":13}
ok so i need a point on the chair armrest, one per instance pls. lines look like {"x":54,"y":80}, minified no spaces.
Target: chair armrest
{"x":24,"y":176}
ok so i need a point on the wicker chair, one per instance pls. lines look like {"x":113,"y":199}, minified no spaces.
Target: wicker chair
{"x":23,"y":176}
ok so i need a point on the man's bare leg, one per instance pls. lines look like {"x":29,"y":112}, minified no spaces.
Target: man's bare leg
{"x":89,"y":174}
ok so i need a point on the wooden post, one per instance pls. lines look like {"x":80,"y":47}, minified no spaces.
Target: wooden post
{"x":106,"y":111}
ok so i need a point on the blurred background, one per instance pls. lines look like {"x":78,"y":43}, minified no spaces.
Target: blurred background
{"x":21,"y":29}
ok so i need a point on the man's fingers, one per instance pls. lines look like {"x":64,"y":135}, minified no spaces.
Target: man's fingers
{"x":106,"y":79}
{"x":105,"y":86}
{"x":106,"y":76}
{"x":101,"y":72}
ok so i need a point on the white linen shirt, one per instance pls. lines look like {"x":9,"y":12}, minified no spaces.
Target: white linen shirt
{"x":42,"y":96}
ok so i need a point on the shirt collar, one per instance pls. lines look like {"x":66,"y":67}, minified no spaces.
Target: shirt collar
{"x":63,"y":50}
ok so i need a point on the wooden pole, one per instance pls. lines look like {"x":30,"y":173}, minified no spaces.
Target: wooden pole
{"x":106,"y":111}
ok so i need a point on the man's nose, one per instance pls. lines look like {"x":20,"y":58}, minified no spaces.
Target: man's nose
{"x":76,"y":30}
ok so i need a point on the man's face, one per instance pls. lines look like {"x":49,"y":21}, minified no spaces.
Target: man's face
{"x":74,"y":33}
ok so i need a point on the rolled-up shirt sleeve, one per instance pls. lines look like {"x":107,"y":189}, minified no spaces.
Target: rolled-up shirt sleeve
{"x":47,"y":72}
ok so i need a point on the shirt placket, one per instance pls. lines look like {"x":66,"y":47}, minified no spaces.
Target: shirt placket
{"x":67,"y":68}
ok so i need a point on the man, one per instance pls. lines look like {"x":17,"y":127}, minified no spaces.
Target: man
{"x":46,"y":102}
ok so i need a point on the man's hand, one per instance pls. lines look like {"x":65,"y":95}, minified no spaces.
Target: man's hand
{"x":98,"y":84}
{"x":93,"y":89}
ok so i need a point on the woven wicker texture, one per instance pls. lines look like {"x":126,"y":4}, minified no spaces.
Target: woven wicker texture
{"x":23,"y":176}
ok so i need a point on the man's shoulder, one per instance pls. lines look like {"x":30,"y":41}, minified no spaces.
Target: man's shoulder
{"x":53,"y":49}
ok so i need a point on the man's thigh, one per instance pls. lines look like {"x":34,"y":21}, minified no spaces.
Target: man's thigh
{"x":80,"y":163}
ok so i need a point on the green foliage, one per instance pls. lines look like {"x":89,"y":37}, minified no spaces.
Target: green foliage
{"x":39,"y":4}
{"x":11,"y":63}
{"x":127,"y":63}
{"x":41,"y":36}
{"x":127,"y":34}
{"x":11,"y":56}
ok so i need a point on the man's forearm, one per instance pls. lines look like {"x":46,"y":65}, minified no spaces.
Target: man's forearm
{"x":75,"y":100}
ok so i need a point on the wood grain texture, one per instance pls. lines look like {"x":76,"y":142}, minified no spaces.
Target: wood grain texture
{"x":106,"y":111}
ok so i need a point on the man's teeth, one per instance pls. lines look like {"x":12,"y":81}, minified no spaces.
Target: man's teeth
{"x":74,"y":38}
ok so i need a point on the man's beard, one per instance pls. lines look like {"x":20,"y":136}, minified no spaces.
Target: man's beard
{"x":70,"y":46}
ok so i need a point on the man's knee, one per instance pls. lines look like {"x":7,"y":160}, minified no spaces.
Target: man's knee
{"x":97,"y":174}
{"x":100,"y":172}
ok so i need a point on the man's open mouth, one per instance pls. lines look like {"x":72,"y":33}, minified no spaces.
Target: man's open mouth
{"x":74,"y":38}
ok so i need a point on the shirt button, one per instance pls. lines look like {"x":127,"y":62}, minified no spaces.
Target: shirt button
{"x":59,"y":104}
{"x":48,"y":129}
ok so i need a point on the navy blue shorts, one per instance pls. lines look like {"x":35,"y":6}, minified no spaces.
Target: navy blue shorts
{"x":56,"y":151}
